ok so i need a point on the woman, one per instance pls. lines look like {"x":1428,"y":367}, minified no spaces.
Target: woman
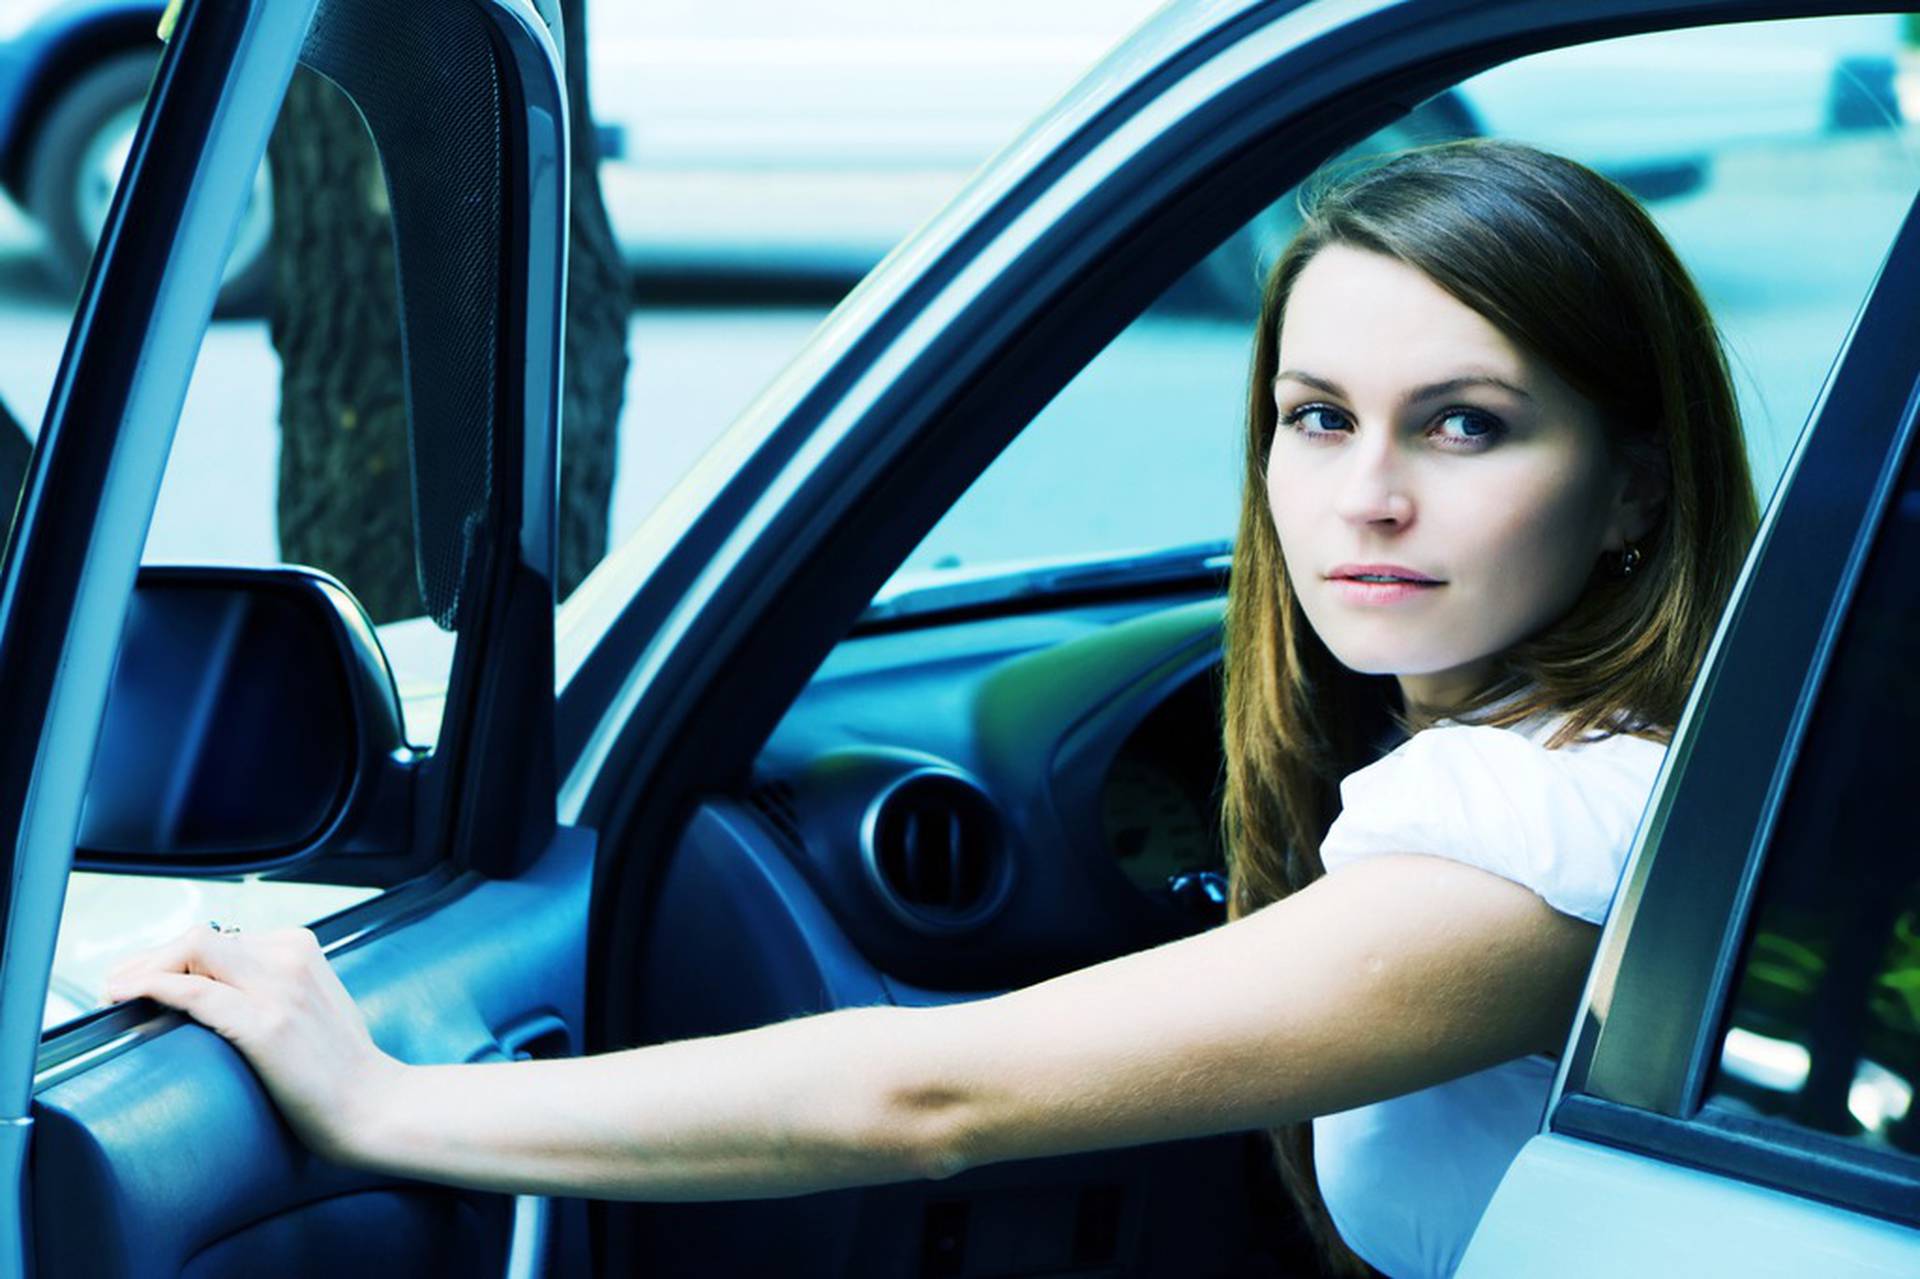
{"x":1495,"y":498}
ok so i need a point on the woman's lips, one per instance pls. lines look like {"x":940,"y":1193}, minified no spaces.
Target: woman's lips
{"x":1358,"y":591}
{"x":1379,"y":583}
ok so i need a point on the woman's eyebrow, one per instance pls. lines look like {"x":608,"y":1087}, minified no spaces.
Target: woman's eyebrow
{"x":1432,"y":391}
{"x":1308,"y":379}
{"x":1435,"y":390}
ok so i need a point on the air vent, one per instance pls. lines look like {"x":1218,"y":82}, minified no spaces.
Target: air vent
{"x":775,"y":802}
{"x":937,"y":850}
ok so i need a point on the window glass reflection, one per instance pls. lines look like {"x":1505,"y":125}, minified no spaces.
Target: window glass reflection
{"x":1824,"y":1028}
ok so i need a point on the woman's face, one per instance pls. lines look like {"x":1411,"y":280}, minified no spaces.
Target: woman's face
{"x":1439,"y":493}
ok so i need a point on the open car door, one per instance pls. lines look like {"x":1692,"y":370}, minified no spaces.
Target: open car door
{"x":245,"y":721}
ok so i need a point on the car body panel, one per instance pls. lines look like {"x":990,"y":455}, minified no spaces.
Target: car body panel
{"x":1575,"y":1209}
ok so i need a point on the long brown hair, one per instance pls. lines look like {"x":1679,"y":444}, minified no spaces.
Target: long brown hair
{"x":1571,"y":268}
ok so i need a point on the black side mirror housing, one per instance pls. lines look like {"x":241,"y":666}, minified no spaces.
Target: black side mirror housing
{"x":252,"y":723}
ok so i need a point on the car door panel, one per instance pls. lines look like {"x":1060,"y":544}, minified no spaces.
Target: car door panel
{"x":155,"y":1150}
{"x":167,"y":1156}
{"x":170,"y":1158}
{"x":71,"y":561}
{"x":1656,"y":1028}
{"x":1581,"y":1210}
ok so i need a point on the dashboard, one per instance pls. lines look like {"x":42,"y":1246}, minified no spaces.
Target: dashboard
{"x":1160,"y":802}
{"x":954,"y":809}
{"x":948,"y":811}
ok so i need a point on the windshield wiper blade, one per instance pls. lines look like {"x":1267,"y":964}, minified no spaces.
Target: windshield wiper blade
{"x":1172,"y":565}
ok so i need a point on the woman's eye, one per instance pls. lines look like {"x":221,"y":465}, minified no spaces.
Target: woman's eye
{"x":1317,"y":419}
{"x":1467,"y":427}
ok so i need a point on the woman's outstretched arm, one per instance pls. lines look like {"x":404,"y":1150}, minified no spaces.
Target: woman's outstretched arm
{"x":1396,"y":973}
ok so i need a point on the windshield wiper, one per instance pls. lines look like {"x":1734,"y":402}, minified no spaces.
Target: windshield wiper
{"x":1196,"y":563}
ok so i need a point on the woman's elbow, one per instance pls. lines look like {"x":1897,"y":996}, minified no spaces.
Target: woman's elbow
{"x":919,"y":1118}
{"x":924,"y":1132}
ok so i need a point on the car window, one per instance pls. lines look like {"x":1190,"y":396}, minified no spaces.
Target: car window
{"x":749,"y":183}
{"x":291,"y":448}
{"x":218,"y":507}
{"x":1777,"y":157}
{"x":1823,"y":1032}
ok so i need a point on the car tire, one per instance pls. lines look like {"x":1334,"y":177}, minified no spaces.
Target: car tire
{"x":74,"y":162}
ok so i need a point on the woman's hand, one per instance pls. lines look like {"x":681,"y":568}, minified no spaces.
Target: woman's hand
{"x":275,"y":998}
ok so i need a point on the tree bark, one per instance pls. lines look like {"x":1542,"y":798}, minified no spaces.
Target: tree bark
{"x":346,"y":504}
{"x":345,"y":501}
{"x":599,"y":298}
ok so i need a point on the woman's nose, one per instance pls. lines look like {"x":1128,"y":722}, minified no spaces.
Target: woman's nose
{"x":1373,"y":486}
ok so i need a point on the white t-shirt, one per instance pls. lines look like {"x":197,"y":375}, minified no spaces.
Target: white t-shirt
{"x":1407,"y":1179}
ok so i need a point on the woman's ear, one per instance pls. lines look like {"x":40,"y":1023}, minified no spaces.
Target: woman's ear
{"x":1638,"y":502}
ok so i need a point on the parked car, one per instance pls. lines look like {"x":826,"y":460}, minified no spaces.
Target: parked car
{"x":689,"y":802}
{"x":73,"y":77}
{"x":816,"y":143}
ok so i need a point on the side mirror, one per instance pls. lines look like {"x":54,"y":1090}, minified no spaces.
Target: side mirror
{"x":252,"y":722}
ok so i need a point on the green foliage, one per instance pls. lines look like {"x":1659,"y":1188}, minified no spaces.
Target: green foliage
{"x":1896,"y":997}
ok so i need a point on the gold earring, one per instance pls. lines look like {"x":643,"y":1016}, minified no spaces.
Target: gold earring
{"x":1629,"y":560}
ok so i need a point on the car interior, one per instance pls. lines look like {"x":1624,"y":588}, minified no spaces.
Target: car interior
{"x":944,"y":806}
{"x":974,"y":804}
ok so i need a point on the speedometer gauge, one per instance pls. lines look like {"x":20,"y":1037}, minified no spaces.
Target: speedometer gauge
{"x":1153,"y":825}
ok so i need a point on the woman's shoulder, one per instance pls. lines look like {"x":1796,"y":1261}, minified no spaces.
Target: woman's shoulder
{"x":1598,"y":759}
{"x":1558,"y":819}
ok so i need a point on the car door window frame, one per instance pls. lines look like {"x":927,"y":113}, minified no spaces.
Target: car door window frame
{"x":1242,"y":110}
{"x":484,"y":810}
{"x":70,"y":570}
{"x":979,"y":320}
{"x":70,"y":565}
{"x":1648,"y":1038}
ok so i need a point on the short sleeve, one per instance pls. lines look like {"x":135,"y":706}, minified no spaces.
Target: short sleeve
{"x":1558,"y":821}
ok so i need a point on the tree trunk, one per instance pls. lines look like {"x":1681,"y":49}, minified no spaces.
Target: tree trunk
{"x":599,"y":298}
{"x":345,"y":502}
{"x":346,"y":505}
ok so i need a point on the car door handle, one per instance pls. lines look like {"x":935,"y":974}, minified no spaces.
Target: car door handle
{"x":527,"y":1249}
{"x":532,"y":1214}
{"x":527,"y":1244}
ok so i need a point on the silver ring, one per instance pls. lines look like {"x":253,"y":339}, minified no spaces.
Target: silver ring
{"x":219,"y":927}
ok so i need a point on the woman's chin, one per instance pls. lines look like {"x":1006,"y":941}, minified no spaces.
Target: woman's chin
{"x":1415,"y":670}
{"x":1380,"y":659}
